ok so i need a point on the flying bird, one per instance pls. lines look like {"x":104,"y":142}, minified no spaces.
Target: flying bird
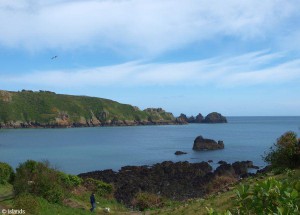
{"x":54,"y":57}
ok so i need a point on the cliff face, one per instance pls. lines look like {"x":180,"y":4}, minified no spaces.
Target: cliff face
{"x":47,"y":109}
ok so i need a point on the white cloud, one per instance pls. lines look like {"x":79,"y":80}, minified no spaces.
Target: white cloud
{"x":255,"y":68}
{"x":146,"y":27}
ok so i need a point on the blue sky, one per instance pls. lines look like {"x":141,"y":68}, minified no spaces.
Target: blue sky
{"x":187,"y":56}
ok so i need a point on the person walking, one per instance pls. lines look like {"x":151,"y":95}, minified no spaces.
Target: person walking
{"x":93,"y":202}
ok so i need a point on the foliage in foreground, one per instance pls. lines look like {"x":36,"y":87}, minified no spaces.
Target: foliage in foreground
{"x":270,"y":196}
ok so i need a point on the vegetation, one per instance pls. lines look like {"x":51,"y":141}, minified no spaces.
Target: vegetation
{"x":6,"y":173}
{"x":99,"y":187}
{"x":39,"y":179}
{"x":46,"y":108}
{"x":285,"y":153}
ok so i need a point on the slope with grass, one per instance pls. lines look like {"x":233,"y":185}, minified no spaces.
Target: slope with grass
{"x":48,"y":109}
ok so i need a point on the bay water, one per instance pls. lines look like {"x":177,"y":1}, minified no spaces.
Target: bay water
{"x":78,"y":150}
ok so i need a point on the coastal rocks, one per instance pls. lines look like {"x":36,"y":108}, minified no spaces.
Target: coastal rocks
{"x":199,"y":118}
{"x":241,"y":167}
{"x":215,"y":117}
{"x":180,"y":153}
{"x":158,"y":116}
{"x":201,"y":144}
{"x":178,"y":181}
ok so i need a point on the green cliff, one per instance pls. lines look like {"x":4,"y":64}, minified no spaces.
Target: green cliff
{"x":48,"y":109}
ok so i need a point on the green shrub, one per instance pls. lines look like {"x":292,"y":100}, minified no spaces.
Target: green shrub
{"x":285,"y":153}
{"x":6,"y":173}
{"x":99,"y":187}
{"x":70,"y":181}
{"x":39,"y":179}
{"x":28,"y":203}
{"x":269,"y":197}
{"x":144,"y":200}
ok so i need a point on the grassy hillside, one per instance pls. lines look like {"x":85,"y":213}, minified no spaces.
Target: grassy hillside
{"x":46,"y":108}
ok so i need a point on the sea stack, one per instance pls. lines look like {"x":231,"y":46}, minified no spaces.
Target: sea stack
{"x":202,"y":144}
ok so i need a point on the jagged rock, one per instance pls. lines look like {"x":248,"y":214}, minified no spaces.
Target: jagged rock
{"x":191,"y":119}
{"x":201,"y":144}
{"x":199,"y":118}
{"x":182,"y":118}
{"x":180,"y":153}
{"x":215,"y":117}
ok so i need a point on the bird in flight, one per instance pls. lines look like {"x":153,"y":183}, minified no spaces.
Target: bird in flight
{"x":54,"y":57}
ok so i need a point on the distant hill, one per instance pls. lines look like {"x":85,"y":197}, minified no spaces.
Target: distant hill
{"x":48,"y":109}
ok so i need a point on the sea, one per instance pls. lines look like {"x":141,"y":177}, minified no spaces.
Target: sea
{"x":79,"y":150}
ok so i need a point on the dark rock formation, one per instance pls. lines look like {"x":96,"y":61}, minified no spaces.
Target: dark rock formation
{"x":199,"y":118}
{"x":180,"y":153}
{"x":201,"y":144}
{"x":179,"y":181}
{"x":225,"y":170}
{"x":215,"y":117}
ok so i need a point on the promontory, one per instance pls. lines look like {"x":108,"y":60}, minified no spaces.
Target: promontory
{"x":46,"y":109}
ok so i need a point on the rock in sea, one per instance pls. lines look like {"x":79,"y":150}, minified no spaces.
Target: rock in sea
{"x":201,"y":144}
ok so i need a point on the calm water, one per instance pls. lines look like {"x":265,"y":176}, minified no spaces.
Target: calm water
{"x":77,"y":150}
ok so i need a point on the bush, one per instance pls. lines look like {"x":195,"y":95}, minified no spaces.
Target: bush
{"x":28,"y":203}
{"x":285,"y":153}
{"x":144,"y":200}
{"x":39,"y":179}
{"x":99,"y":187}
{"x":70,"y":181}
{"x":270,"y":197}
{"x":6,"y":173}
{"x":266,"y":197}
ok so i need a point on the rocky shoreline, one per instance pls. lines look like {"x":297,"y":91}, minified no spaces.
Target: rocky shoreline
{"x":178,"y":181}
{"x":64,"y":122}
{"x":19,"y":124}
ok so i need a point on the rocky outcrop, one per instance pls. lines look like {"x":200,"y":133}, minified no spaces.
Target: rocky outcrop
{"x":179,"y":181}
{"x":215,"y":117}
{"x":201,"y":144}
{"x":180,"y":153}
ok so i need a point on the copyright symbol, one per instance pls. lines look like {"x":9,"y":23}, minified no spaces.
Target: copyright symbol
{"x":3,"y":211}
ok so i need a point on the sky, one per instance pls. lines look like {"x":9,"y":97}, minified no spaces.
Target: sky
{"x":236,"y":57}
